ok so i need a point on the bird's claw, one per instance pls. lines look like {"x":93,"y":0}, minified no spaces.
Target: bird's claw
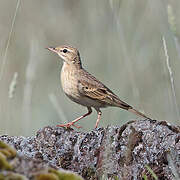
{"x":68,"y":125}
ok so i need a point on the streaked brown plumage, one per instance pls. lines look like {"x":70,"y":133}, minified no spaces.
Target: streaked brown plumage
{"x":83,"y":88}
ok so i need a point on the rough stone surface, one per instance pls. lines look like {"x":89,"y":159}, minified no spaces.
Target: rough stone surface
{"x":113,"y":151}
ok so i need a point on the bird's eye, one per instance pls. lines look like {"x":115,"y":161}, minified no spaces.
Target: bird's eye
{"x":64,"y":50}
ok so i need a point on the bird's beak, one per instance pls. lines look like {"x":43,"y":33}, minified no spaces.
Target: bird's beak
{"x":52,"y":49}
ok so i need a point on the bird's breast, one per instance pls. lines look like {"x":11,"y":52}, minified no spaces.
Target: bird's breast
{"x":69,"y":81}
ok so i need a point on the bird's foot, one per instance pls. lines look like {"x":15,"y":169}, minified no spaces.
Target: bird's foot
{"x":68,"y":125}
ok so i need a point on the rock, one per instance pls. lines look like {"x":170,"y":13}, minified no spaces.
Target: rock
{"x":113,"y":152}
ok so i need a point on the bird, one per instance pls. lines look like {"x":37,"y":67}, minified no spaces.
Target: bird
{"x":85,"y":89}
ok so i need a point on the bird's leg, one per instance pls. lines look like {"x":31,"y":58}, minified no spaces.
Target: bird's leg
{"x":72,"y":123}
{"x":99,"y":117}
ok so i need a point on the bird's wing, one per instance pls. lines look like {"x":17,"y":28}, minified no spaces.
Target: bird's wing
{"x":92,"y":91}
{"x":92,"y":88}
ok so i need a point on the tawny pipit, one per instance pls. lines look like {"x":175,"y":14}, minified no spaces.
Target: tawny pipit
{"x":83,"y":88}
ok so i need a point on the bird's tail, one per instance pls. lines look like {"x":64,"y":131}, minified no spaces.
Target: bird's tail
{"x":138,"y":113}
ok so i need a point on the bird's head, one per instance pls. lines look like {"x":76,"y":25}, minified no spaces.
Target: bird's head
{"x":69,"y":54}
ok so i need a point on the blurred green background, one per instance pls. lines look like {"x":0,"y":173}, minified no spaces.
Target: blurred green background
{"x":121,"y":43}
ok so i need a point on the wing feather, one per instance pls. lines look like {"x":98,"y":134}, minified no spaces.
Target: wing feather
{"x":90,"y":87}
